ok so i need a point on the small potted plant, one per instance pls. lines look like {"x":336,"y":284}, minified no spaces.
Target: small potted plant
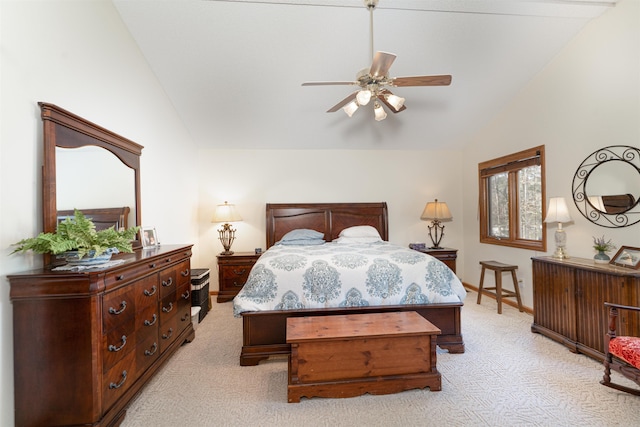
{"x":79,"y":241}
{"x":602,"y":246}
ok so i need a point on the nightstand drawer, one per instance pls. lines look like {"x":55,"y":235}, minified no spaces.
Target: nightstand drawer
{"x":233,"y":272}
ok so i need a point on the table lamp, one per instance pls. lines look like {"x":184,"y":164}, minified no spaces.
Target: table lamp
{"x":436,"y":212}
{"x":559,"y":213}
{"x":226,"y":213}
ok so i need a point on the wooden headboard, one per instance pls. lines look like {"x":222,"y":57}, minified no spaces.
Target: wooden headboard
{"x":103,"y":218}
{"x":327,"y":218}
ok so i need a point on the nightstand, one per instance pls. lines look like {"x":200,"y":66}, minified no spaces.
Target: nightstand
{"x":446,"y":255}
{"x":233,"y":271}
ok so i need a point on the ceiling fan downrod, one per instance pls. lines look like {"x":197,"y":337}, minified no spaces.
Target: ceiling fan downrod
{"x":371,"y":4}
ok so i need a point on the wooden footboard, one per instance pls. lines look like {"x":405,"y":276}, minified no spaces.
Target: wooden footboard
{"x":264,"y":333}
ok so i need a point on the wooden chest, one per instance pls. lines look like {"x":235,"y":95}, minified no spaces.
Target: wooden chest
{"x":350,"y":355}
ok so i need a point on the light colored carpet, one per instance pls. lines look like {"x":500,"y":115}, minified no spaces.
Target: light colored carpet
{"x":508,"y":376}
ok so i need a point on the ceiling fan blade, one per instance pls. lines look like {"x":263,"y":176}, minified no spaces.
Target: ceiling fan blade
{"x":328,"y":83}
{"x":382,"y":99}
{"x":444,"y":80}
{"x":342,"y":103}
{"x":381,"y":63}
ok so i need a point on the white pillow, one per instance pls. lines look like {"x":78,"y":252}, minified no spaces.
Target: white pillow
{"x":357,"y":240}
{"x":360,"y":231}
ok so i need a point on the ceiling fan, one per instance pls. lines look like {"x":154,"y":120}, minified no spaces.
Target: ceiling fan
{"x":374,"y":81}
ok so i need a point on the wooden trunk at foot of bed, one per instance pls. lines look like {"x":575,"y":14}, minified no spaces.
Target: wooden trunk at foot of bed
{"x":264,"y":333}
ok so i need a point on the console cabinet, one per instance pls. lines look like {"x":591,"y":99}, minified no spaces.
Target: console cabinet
{"x":569,"y":297}
{"x":86,"y":342}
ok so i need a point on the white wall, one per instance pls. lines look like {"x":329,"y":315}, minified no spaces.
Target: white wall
{"x":587,"y":98}
{"x":79,"y":56}
{"x":406,"y":180}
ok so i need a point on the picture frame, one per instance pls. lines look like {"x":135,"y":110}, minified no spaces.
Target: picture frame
{"x":627,"y":257}
{"x":149,"y":237}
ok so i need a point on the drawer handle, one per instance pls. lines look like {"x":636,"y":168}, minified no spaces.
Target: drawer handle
{"x":124,"y":378}
{"x":151,"y":292}
{"x":151,"y":322}
{"x":112,"y":310}
{"x":185,"y":317}
{"x":168,"y":282}
{"x":167,"y":310}
{"x":153,"y":350}
{"x":186,"y":295}
{"x":185,"y":273}
{"x":238,"y":285}
{"x":152,"y":265}
{"x":124,"y":342}
{"x":120,"y":277}
{"x":165,"y":336}
{"x":168,"y":260}
{"x":239,"y":272}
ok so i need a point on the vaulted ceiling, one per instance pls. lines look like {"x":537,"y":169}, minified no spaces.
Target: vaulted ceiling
{"x":233,"y":69}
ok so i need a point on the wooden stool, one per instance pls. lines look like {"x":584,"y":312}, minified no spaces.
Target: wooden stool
{"x":499,"y":268}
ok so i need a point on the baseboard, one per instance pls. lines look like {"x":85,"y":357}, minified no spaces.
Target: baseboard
{"x":513,"y":304}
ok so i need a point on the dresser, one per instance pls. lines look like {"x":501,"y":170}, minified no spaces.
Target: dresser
{"x":446,"y":255}
{"x":233,"y":271}
{"x":85,"y":343}
{"x":569,"y":297}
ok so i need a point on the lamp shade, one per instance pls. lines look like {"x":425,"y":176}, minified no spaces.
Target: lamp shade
{"x":350,"y":108}
{"x":557,"y":210}
{"x":379,"y":112}
{"x":436,"y":211}
{"x":226,"y":213}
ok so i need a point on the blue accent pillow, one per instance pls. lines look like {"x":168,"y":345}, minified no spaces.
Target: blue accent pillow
{"x":302,"y":236}
{"x":301,"y":242}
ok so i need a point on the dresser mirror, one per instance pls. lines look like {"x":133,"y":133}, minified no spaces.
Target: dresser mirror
{"x":606,"y":186}
{"x":109,"y":182}
{"x":86,"y":166}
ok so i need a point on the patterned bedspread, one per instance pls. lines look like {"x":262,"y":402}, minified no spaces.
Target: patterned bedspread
{"x":346,"y":275}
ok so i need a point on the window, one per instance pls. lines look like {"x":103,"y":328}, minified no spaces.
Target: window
{"x":512,"y":200}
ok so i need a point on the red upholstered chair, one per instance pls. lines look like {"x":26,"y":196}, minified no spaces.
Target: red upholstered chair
{"x":622,"y":353}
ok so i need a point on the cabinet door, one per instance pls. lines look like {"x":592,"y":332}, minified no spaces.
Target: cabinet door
{"x":554,"y":298}
{"x":593,"y":289}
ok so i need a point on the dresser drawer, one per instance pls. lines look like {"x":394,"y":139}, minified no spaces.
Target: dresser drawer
{"x":168,"y":308}
{"x":168,"y":333}
{"x":147,"y":292}
{"x":147,"y":352}
{"x":120,"y":276}
{"x":118,"y":342}
{"x":173,"y":277}
{"x":147,"y":321}
{"x":118,"y":307}
{"x":118,"y":379}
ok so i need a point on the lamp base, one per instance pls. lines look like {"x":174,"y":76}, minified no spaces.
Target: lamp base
{"x":560,"y":253}
{"x":226,"y":253}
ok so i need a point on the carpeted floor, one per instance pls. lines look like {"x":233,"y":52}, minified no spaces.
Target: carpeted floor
{"x":508,"y":376}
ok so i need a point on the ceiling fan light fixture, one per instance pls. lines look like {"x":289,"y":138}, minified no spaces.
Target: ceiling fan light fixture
{"x":350,"y":108}
{"x":379,"y":112}
{"x":363,"y":97}
{"x":395,"y":101}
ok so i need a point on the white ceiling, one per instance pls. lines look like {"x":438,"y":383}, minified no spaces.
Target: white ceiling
{"x":233,"y":69}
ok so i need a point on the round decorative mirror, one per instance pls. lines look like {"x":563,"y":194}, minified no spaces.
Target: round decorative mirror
{"x":606,"y":186}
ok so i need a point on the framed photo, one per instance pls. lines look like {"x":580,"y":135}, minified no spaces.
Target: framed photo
{"x":627,"y":257}
{"x":149,"y":237}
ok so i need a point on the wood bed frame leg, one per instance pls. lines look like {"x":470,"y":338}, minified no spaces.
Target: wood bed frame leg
{"x":246,"y":360}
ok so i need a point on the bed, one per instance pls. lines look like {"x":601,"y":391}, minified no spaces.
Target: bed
{"x":264,"y":330}
{"x":103,"y":218}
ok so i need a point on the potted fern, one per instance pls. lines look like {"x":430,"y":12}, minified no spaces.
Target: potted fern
{"x":79,"y":241}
